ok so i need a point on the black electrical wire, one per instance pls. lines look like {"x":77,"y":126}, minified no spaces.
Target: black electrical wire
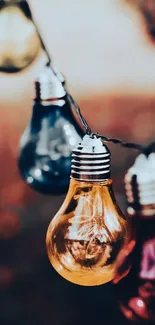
{"x":144,"y":149}
{"x":44,"y":47}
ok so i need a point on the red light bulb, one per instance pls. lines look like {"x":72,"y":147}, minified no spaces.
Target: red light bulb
{"x":135,"y":275}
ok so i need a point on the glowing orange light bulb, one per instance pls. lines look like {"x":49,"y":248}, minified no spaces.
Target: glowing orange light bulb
{"x":86,"y":235}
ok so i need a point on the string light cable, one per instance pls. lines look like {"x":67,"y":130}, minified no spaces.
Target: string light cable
{"x":131,"y":145}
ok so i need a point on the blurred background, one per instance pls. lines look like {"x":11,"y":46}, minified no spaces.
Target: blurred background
{"x":106,"y":50}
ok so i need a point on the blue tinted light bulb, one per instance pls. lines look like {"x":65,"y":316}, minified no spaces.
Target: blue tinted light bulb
{"x":47,"y":143}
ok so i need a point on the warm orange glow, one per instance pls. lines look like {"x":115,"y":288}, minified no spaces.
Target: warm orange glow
{"x":85,"y":237}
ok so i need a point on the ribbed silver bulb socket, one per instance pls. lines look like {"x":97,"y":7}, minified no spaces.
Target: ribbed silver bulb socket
{"x":48,"y":87}
{"x":91,"y":160}
{"x":140,"y":186}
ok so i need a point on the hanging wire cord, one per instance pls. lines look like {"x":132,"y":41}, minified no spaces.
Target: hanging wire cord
{"x":44,"y":47}
{"x":145,"y":149}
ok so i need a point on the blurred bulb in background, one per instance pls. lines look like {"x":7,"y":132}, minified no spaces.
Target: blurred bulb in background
{"x":19,"y":42}
{"x":47,"y":143}
{"x":86,"y":235}
{"x":135,"y":273}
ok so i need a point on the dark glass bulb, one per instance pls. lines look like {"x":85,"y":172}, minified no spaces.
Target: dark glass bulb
{"x":48,"y":141}
{"x":135,"y":276}
{"x":19,"y":41}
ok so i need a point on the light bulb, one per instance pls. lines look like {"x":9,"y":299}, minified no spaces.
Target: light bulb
{"x":47,"y":143}
{"x":86,"y":235}
{"x":135,"y":273}
{"x":19,"y":42}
